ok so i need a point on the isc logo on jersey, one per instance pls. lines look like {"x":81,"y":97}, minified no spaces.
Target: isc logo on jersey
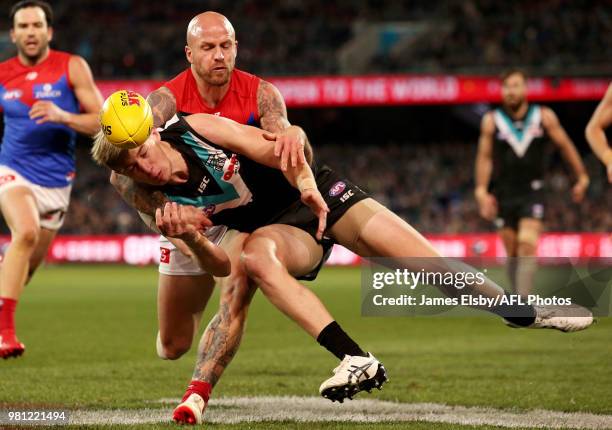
{"x":126,"y":119}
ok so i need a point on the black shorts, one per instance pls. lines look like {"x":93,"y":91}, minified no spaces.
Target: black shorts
{"x":339,"y":193}
{"x":513,"y":209}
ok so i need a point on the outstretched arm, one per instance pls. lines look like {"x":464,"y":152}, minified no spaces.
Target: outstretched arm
{"x":290,"y":140}
{"x":250,"y":141}
{"x":568,"y":151}
{"x":595,"y":131}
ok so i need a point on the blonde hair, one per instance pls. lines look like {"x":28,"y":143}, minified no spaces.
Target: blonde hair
{"x":105,"y":153}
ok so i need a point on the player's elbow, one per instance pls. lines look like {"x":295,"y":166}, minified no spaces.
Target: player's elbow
{"x":590,"y":131}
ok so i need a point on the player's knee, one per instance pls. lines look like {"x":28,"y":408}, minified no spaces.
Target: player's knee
{"x":527,"y":244}
{"x":259,"y":263}
{"x":526,"y":249}
{"x":172,"y":348}
{"x":26,"y":236}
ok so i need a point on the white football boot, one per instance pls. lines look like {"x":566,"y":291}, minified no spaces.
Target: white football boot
{"x":354,"y":374}
{"x":190,"y":411}
{"x":565,"y":318}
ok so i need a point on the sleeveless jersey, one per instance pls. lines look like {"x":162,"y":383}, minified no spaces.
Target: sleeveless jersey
{"x":238,"y":104}
{"x":520,"y":152}
{"x":229,"y":187}
{"x":42,"y":153}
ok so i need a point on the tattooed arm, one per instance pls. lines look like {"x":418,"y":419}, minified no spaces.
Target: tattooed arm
{"x":138,"y":196}
{"x":163,"y":105}
{"x":291,"y":141}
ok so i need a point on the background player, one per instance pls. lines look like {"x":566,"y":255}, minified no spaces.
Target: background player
{"x":41,"y":93}
{"x":514,"y":139}
{"x":596,"y":135}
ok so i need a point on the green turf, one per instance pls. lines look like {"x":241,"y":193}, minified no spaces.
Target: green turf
{"x":90,"y":333}
{"x":299,"y":426}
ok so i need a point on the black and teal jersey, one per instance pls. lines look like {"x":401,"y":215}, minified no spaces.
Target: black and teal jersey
{"x":521,"y":152}
{"x":232,"y":189}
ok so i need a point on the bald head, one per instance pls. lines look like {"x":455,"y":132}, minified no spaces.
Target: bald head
{"x":211,"y":48}
{"x":209,"y":23}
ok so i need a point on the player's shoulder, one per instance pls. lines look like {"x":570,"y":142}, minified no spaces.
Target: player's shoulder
{"x":61,"y":57}
{"x":489,"y":117}
{"x":244,"y":82}
{"x":7,"y":67}
{"x":546,"y":114}
{"x":179,"y":80}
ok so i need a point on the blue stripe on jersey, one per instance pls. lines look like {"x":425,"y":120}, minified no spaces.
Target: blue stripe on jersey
{"x":251,"y":120}
{"x":517,"y":133}
{"x":42,"y":153}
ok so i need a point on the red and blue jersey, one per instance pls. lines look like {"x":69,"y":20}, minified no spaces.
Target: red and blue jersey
{"x":42,"y":153}
{"x":238,"y":104}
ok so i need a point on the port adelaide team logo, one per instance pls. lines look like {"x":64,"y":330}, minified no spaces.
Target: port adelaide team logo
{"x":337,"y":189}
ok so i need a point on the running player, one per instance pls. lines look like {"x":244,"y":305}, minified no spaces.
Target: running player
{"x":595,"y":132}
{"x":514,"y":138}
{"x":42,"y":92}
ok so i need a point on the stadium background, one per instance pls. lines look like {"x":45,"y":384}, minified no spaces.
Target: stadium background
{"x":416,"y":156}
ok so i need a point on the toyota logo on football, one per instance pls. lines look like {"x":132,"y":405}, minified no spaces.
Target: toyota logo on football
{"x":337,"y":188}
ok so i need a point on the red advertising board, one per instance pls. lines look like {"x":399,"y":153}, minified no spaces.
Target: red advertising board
{"x":378,"y":90}
{"x":144,"y":249}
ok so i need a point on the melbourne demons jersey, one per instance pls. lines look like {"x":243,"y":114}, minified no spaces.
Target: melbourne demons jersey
{"x":229,"y":187}
{"x":42,"y":153}
{"x":520,"y":152}
{"x":238,"y":104}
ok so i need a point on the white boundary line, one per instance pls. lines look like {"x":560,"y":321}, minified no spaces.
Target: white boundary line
{"x":310,"y":409}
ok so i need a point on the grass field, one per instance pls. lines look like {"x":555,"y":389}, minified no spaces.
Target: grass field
{"x":90,"y":336}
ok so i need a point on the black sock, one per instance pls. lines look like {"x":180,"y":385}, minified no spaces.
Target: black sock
{"x":336,"y":341}
{"x":521,"y":315}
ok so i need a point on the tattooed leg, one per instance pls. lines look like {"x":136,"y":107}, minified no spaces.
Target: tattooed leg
{"x":222,"y":337}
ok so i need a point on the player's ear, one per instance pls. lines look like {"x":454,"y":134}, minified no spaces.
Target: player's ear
{"x":188,"y":54}
{"x":50,"y":33}
{"x":13,"y":35}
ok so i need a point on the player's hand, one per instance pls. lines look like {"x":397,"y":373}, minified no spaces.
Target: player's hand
{"x":289,"y":144}
{"x":579,"y":189}
{"x":312,"y":198}
{"x":46,"y":111}
{"x":181,"y":221}
{"x":487,"y":206}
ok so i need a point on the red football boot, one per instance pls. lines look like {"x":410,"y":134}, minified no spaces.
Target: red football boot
{"x":10,"y":345}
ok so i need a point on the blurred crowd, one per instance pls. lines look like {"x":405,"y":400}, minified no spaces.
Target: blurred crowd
{"x":137,"y":38}
{"x":430,"y":186}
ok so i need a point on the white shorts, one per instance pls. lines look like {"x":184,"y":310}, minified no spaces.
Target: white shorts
{"x":173,"y":262}
{"x":52,"y":203}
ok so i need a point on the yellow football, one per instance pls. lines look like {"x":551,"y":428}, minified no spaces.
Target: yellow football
{"x":126,"y":119}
